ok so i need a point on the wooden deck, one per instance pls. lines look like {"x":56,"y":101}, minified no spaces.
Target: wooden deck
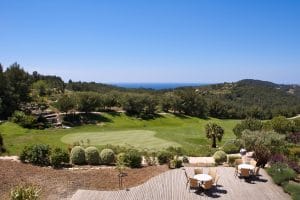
{"x":171,"y":185}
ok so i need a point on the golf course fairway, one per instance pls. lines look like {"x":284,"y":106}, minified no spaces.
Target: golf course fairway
{"x":136,"y":138}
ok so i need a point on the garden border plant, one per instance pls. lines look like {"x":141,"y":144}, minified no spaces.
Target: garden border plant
{"x":77,"y":155}
{"x":220,"y":157}
{"x":92,"y":156}
{"x":2,"y":148}
{"x":24,"y":192}
{"x":133,"y":158}
{"x":59,"y":158}
{"x":107,"y":156}
{"x":38,"y":154}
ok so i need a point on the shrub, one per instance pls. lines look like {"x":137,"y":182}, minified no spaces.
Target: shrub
{"x":232,"y":146}
{"x":185,"y":159}
{"x":133,"y":158}
{"x":231,"y":159}
{"x":178,"y":163}
{"x":77,"y":155}
{"x":24,"y":193}
{"x":278,"y":158}
{"x":172,"y":164}
{"x":150,"y":158}
{"x":295,"y":151}
{"x":282,"y":125}
{"x":26,"y":121}
{"x":281,"y":173}
{"x":36,"y":154}
{"x":1,"y":140}
{"x":175,"y":163}
{"x":294,"y":165}
{"x":164,"y":157}
{"x":220,"y":157}
{"x":297,"y":124}
{"x":18,"y":117}
{"x":92,"y":156}
{"x":2,"y":148}
{"x":264,"y":144}
{"x":24,"y":154}
{"x":107,"y":156}
{"x":247,"y":124}
{"x":293,"y":137}
{"x":59,"y":157}
{"x":293,"y":189}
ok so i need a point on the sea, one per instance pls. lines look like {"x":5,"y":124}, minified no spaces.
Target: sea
{"x":157,"y":86}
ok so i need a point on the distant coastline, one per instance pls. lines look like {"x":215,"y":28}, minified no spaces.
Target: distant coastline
{"x":157,"y":86}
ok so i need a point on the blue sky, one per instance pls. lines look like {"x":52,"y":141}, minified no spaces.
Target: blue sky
{"x":203,"y":41}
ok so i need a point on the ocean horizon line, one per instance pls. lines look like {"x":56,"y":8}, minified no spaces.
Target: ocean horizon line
{"x":156,"y":85}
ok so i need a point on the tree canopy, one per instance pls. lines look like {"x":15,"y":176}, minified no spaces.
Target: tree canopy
{"x":264,"y":144}
{"x":243,"y":99}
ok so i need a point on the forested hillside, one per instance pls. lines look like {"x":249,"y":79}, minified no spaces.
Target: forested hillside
{"x":255,"y":98}
{"x":34,"y":93}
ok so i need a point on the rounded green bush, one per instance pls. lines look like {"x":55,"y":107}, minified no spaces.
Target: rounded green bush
{"x":220,"y":157}
{"x":59,"y":157}
{"x":231,"y":159}
{"x":107,"y":156}
{"x":92,"y":156}
{"x":78,"y":155}
{"x":232,"y":146}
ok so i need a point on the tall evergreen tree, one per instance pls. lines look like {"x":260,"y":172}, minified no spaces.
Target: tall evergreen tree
{"x":14,"y":89}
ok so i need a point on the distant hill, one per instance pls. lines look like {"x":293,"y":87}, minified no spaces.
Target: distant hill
{"x":244,"y":98}
{"x":256,"y":98}
{"x":90,"y":86}
{"x":35,"y":92}
{"x":293,"y":89}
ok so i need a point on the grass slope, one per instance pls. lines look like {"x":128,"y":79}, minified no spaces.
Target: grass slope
{"x":188,"y":132}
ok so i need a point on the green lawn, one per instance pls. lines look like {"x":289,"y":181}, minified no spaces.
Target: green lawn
{"x":187,"y":132}
{"x":136,"y":138}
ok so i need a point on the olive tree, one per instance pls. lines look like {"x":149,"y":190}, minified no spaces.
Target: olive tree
{"x":247,"y":124}
{"x":88,"y":101}
{"x":66,"y":103}
{"x":264,"y":144}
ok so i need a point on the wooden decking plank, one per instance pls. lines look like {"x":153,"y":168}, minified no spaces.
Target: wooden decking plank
{"x":171,"y":186}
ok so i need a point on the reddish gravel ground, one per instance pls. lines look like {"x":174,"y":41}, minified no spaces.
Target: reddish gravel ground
{"x":61,"y":184}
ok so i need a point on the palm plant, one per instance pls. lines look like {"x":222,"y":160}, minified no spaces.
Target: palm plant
{"x":214,"y":132}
